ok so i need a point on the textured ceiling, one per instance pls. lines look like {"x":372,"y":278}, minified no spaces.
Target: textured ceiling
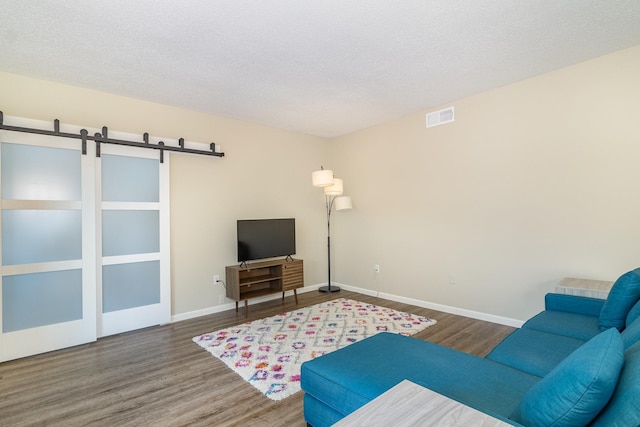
{"x":323,"y":68}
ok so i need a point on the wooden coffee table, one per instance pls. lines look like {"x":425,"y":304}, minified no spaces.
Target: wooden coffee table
{"x":408,"y":404}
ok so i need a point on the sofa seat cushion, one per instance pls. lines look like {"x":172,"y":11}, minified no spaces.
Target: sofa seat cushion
{"x":572,"y":325}
{"x":346,"y":379}
{"x":534,"y":352}
{"x":624,"y":293}
{"x":578,"y":388}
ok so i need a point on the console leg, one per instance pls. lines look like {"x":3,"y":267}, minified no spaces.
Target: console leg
{"x":236,"y":306}
{"x":295,"y":293}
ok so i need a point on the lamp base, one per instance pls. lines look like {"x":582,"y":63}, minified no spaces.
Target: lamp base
{"x":328,"y":289}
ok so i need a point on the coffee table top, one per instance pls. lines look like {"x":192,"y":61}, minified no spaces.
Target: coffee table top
{"x":408,"y":404}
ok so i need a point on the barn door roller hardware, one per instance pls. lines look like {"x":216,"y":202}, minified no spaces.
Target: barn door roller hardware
{"x":103,"y":138}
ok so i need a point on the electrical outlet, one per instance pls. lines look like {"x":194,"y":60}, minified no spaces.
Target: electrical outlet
{"x":216,"y":279}
{"x":376,"y":268}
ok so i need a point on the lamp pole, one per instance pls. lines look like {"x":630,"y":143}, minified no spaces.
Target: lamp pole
{"x":329,"y":288}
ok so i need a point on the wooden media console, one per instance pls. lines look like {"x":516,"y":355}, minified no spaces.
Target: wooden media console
{"x":263,"y":278}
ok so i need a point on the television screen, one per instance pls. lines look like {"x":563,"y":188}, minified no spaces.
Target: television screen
{"x":266,"y":238}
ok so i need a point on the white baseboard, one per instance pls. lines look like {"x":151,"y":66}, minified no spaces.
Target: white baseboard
{"x":515,"y":323}
{"x":425,"y":304}
{"x":232,"y":305}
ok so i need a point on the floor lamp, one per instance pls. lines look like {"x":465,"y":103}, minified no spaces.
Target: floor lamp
{"x":332,"y":189}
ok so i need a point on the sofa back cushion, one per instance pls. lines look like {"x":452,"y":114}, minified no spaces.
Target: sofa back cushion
{"x":631,"y":334}
{"x":623,"y":408}
{"x":576,"y":390}
{"x":634,"y":313}
{"x":623,"y":295}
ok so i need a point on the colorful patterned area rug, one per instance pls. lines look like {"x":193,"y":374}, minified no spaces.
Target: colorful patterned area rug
{"x":268,"y":352}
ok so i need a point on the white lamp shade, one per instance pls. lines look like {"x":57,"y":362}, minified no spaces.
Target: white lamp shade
{"x":322,"y":178}
{"x":335,"y":189}
{"x":343,"y":203}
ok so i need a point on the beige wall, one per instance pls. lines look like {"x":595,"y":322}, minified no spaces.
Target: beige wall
{"x":533,"y":182}
{"x":266,"y":173}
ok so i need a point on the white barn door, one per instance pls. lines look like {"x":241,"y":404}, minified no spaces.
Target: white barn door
{"x":47,"y":217}
{"x":134,"y":271}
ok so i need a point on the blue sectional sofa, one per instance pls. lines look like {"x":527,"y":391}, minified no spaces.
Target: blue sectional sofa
{"x":577,"y":363}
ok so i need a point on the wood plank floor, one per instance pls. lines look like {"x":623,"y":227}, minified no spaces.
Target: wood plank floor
{"x":158,"y":376}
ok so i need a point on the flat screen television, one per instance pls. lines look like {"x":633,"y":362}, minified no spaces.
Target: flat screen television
{"x":266,"y":238}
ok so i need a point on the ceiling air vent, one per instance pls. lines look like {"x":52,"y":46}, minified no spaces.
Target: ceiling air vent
{"x":440,"y":117}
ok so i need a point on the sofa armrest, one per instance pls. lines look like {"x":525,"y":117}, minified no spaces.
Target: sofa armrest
{"x":573,"y":304}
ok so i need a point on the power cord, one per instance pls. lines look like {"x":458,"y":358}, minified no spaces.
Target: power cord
{"x":375,"y":275}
